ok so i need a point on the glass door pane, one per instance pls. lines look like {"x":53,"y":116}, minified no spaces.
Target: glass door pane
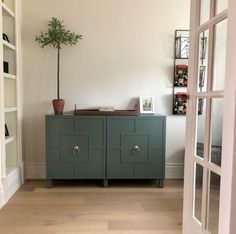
{"x":217,"y":106}
{"x":204,"y":11}
{"x":221,"y":5}
{"x":200,"y":127}
{"x":219,"y":59}
{"x":198,"y":192}
{"x":214,"y":202}
{"x":203,"y":61}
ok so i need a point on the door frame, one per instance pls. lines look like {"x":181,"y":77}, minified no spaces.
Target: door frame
{"x":228,"y":188}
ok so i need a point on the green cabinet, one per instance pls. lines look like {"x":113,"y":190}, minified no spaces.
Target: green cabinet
{"x":75,"y":147}
{"x":136,"y":147}
{"x":100,"y":147}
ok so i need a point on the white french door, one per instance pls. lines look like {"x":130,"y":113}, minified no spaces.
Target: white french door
{"x":210,"y":134}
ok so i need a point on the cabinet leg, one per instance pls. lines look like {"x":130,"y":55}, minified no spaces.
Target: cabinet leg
{"x":157,"y":182}
{"x":49,"y":183}
{"x":105,"y":183}
{"x":161,"y":183}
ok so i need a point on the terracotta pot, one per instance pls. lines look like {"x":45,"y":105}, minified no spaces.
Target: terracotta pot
{"x":58,"y":105}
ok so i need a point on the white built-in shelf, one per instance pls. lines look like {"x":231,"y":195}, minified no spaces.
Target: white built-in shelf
{"x":9,"y":76}
{"x":10,"y":109}
{"x":8,"y":45}
{"x":9,"y":139}
{"x":11,"y":167}
{"x":7,"y":11}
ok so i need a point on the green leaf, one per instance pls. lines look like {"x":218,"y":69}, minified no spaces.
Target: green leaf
{"x":57,"y":35}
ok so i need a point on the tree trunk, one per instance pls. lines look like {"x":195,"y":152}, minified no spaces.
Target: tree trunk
{"x":58,"y":73}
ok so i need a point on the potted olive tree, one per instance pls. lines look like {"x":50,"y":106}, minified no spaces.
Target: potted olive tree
{"x":56,"y":36}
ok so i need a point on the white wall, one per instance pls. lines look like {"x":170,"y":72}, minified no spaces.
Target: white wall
{"x":126,"y":51}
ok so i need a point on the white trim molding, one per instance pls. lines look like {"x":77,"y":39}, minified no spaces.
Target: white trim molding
{"x":1,"y":196}
{"x":11,"y":183}
{"x":35,"y":171}
{"x":174,"y":170}
{"x":38,"y":171}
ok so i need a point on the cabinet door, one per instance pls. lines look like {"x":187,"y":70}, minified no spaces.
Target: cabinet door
{"x":90,"y":136}
{"x":78,"y":149}
{"x":55,"y":126}
{"x":135,"y":147}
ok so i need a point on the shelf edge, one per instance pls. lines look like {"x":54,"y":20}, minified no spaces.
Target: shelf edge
{"x":9,"y":139}
{"x":8,"y":45}
{"x":8,"y":10}
{"x":10,"y":109}
{"x":9,"y":76}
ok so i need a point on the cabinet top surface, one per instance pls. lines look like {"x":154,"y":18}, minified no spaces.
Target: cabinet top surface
{"x":103,"y":116}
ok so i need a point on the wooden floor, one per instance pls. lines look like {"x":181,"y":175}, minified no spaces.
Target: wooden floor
{"x":123,"y":208}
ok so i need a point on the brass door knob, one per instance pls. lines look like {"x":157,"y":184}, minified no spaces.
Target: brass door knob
{"x":76,"y":149}
{"x":135,"y":149}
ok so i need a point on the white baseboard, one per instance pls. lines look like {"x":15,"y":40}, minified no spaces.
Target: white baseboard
{"x":1,"y":198}
{"x":35,"y":171}
{"x":13,"y":183}
{"x":38,"y":171}
{"x":10,"y":184}
{"x":174,"y":171}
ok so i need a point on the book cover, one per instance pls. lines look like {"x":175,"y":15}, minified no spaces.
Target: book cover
{"x":180,"y":103}
{"x":181,"y":75}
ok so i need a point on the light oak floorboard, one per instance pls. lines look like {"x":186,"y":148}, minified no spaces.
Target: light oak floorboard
{"x":123,"y":208}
